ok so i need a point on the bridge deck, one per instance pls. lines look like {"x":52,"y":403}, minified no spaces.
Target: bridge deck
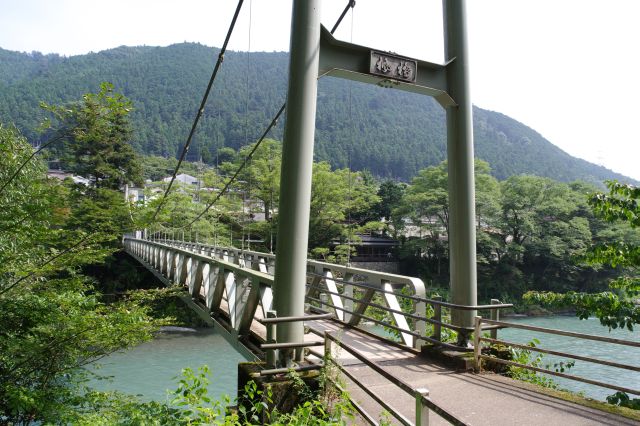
{"x":477,"y":399}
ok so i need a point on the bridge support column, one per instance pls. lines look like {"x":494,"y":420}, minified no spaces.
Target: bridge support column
{"x":297,"y":165}
{"x":462,"y":226}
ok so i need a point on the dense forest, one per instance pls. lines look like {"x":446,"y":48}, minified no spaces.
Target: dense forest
{"x":390,"y":133}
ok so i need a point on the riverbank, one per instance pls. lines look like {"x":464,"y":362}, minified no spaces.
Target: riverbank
{"x":537,"y":311}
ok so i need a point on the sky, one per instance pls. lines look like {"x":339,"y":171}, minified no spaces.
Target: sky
{"x":570,"y":69}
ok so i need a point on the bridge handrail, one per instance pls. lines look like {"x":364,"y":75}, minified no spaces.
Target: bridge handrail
{"x":237,"y":252}
{"x":421,"y":395}
{"x":349,"y":269}
{"x":214,"y":280}
{"x":410,"y":315}
{"x":338,"y":282}
{"x":321,"y":271}
{"x":228,"y":265}
{"x":478,"y":356}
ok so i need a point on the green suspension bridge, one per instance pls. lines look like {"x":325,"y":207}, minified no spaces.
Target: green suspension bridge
{"x":298,"y":314}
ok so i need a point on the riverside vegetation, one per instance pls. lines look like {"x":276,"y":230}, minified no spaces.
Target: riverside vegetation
{"x":56,"y":238}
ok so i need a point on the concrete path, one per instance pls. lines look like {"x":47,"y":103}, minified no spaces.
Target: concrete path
{"x":475,"y":399}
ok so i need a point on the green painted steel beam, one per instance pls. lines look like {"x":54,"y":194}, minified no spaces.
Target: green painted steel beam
{"x":462,"y":217}
{"x":352,"y":62}
{"x":296,"y":171}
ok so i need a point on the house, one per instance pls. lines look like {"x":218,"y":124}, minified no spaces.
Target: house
{"x":375,"y":252}
{"x":372,"y":248}
{"x":62,"y":175}
{"x":134,"y":194}
{"x":184,"y":179}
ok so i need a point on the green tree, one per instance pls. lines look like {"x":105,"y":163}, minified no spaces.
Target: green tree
{"x":335,"y":196}
{"x":390,"y":193}
{"x":53,"y":321}
{"x":426,"y":204}
{"x":262,"y":174}
{"x":97,"y":143}
{"x":615,"y":308}
{"x":541,"y":229}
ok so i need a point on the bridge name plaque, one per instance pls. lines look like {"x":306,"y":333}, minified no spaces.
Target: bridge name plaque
{"x":392,"y":66}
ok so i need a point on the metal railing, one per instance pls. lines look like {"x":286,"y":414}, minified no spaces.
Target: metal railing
{"x":353,"y":301}
{"x":240,"y":293}
{"x":272,"y":346}
{"x":479,"y":357}
{"x":424,"y":404}
{"x":353,"y":295}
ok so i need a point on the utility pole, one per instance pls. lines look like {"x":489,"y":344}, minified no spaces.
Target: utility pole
{"x":296,"y":172}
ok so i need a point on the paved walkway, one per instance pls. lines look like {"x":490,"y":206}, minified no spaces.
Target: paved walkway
{"x":476,"y":399}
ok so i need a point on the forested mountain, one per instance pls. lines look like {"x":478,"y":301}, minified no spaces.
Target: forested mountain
{"x":391,"y":133}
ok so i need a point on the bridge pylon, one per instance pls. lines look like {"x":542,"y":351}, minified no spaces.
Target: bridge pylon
{"x":314,"y":53}
{"x":296,"y":172}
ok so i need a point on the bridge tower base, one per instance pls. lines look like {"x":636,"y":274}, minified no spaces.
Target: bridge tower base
{"x":285,"y":392}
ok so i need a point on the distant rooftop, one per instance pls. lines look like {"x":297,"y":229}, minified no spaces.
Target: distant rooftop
{"x":184,"y":178}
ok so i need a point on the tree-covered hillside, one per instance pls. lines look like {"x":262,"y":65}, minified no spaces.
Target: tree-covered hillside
{"x":391,"y":133}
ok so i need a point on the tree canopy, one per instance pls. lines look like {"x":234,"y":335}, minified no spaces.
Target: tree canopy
{"x":616,"y":307}
{"x":391,"y":133}
{"x":96,"y":133}
{"x":53,"y":321}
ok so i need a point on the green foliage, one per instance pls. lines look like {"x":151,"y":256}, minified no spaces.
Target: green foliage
{"x":621,"y":204}
{"x":390,"y":193}
{"x":337,"y":196}
{"x":526,"y":357}
{"x":53,"y":321}
{"x":391,"y":133}
{"x":616,"y":308}
{"x":262,"y":176}
{"x":532,"y":233}
{"x":165,"y":307}
{"x":191,"y":405}
{"x":192,"y":396}
{"x":609,"y":308}
{"x":96,"y":143}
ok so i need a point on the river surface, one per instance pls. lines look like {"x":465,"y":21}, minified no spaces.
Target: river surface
{"x":605,"y":351}
{"x":152,"y":368}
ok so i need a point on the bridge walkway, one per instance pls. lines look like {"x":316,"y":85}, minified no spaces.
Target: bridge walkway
{"x":477,"y":399}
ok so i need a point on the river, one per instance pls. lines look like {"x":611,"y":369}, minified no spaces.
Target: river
{"x":152,"y":368}
{"x":605,"y":351}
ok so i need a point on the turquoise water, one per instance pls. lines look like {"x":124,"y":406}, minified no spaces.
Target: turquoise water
{"x":152,"y":368}
{"x":605,"y":351}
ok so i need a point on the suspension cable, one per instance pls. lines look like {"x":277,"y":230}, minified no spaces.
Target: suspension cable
{"x":201,"y":109}
{"x":244,"y":163}
{"x":274,"y":121}
{"x":350,"y":5}
{"x":247,"y":194}
{"x":33,"y":154}
{"x":352,"y":133}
